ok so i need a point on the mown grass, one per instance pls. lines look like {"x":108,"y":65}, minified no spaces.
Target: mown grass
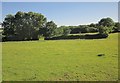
{"x":61,"y":60}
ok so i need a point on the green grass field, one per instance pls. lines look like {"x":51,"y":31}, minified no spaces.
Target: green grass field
{"x":61,"y":60}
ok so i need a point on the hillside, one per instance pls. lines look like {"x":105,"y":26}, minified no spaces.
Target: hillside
{"x":61,"y":60}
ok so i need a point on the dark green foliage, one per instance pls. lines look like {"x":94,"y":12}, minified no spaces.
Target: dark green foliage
{"x":106,"y":25}
{"x":8,"y":24}
{"x":116,"y":27}
{"x":106,"y":22}
{"x":83,"y":29}
{"x":94,"y":36}
{"x":93,"y":25}
{"x":30,"y":26}
{"x":66,"y":31}
{"x":92,"y":30}
{"x":42,"y":31}
{"x":103,"y":30}
{"x":63,"y":30}
{"x":50,"y":29}
{"x":23,"y":26}
{"x":64,"y":37}
{"x":59,"y":31}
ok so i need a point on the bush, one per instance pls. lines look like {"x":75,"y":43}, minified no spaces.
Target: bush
{"x":64,"y":37}
{"x":15,"y":38}
{"x":94,"y":36}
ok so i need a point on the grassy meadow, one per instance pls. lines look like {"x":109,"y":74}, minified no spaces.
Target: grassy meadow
{"x":66,"y":60}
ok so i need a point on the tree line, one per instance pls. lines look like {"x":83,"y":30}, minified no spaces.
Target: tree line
{"x":31,"y":26}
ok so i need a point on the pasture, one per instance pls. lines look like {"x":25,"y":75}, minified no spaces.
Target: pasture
{"x":61,"y":60}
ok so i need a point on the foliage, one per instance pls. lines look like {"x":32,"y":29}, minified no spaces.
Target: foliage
{"x":24,"y":26}
{"x":106,"y":22}
{"x":30,"y":26}
{"x":103,"y":30}
{"x":116,"y":27}
{"x":77,"y":36}
{"x":66,"y":31}
{"x":8,"y":25}
{"x":83,"y":29}
{"x":106,"y":25}
{"x":92,"y":25}
{"x":50,"y":29}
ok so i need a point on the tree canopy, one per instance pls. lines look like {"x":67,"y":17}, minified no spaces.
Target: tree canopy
{"x":24,"y":26}
{"x":50,"y":29}
{"x":31,"y":25}
{"x":106,"y":24}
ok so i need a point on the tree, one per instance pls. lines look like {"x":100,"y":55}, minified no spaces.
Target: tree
{"x":92,"y":25}
{"x":107,"y":23}
{"x":24,"y":26}
{"x":66,"y":31}
{"x":8,"y":24}
{"x":117,"y":27}
{"x":92,"y":29}
{"x":103,"y":30}
{"x":58,"y":31}
{"x":50,"y":29}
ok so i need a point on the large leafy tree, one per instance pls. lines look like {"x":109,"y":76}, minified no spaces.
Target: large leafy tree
{"x":24,"y":26}
{"x":106,"y":24}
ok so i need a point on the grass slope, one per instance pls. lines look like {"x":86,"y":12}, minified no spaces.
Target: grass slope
{"x":61,"y":60}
